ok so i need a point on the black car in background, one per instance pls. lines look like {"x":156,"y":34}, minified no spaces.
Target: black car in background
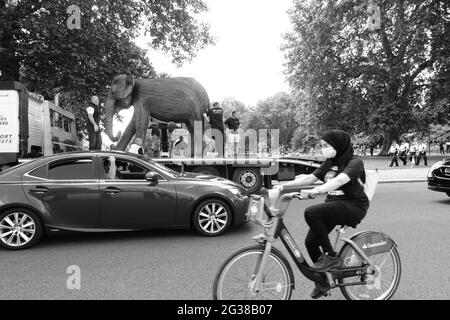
{"x":439,"y":177}
{"x":111,"y":191}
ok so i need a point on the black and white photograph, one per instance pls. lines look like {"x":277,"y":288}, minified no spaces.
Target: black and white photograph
{"x":201,"y":150}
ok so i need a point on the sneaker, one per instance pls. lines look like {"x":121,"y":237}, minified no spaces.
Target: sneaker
{"x":320,"y":291}
{"x":327,"y":263}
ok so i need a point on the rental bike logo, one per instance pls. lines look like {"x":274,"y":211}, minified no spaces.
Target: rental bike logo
{"x":232,"y":309}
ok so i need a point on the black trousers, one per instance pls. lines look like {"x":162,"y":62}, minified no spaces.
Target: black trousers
{"x":95,"y":139}
{"x":403,"y":157}
{"x":424,"y":155}
{"x":394,"y":160}
{"x":323,"y":218}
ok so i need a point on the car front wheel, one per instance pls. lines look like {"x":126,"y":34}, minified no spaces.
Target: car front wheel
{"x":19,"y":229}
{"x":212,"y":217}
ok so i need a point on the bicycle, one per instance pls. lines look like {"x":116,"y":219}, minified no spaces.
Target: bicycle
{"x":263,"y":272}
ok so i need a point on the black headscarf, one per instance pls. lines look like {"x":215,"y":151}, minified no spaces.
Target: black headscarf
{"x":339,"y":140}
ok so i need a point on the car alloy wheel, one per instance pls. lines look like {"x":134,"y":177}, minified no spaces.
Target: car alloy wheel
{"x":212,"y":218}
{"x":17,"y":229}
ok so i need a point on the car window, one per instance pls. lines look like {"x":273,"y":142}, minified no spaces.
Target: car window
{"x":71,"y":169}
{"x":164,"y":169}
{"x":122,"y":169}
{"x":40,"y":172}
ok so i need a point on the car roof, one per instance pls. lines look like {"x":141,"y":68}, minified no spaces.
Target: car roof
{"x":93,"y":153}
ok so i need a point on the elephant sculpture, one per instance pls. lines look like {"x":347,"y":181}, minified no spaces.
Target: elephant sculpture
{"x":181,"y":100}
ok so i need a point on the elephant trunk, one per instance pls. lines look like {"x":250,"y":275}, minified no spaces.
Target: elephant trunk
{"x":110,"y":107}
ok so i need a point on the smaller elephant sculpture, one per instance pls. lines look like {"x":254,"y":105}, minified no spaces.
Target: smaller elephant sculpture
{"x":180,"y":100}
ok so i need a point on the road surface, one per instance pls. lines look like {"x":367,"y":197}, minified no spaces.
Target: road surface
{"x":178,"y":264}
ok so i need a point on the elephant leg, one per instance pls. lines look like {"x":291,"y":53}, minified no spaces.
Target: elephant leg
{"x":127,"y":136}
{"x":142,"y":120}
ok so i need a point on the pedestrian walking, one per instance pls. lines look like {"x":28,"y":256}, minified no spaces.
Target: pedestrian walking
{"x":441,"y":147}
{"x":448,"y":146}
{"x":371,"y":150}
{"x":404,"y":147}
{"x":393,"y":151}
{"x":422,"y":153}
{"x":93,"y":121}
{"x":413,"y":153}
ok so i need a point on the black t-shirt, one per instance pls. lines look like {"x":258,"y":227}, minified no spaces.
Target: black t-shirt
{"x":353,"y":190}
{"x":216,"y":118}
{"x":96,"y":116}
{"x":232,"y":123}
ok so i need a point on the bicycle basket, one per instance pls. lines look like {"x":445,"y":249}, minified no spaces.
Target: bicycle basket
{"x":255,"y":210}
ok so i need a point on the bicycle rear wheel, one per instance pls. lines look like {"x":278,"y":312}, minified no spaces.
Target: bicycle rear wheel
{"x":234,"y":276}
{"x":382,"y":286}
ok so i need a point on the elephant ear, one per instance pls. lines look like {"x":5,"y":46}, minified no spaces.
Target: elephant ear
{"x":129,"y":85}
{"x":122,"y":86}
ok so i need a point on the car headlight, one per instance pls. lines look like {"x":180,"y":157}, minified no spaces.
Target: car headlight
{"x":434,"y":167}
{"x":236,"y":191}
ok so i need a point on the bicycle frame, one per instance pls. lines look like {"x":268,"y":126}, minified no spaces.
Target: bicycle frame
{"x":279,"y":230}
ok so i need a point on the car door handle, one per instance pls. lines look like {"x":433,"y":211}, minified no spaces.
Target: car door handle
{"x":112,"y":190}
{"x":39,"y":190}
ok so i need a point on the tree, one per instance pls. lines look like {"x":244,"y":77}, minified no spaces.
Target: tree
{"x":278,"y":112}
{"x":231,"y":104}
{"x":38,"y":49}
{"x":360,"y":80}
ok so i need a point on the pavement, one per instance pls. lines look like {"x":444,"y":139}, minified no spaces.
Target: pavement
{"x":401,"y":173}
{"x":391,"y":175}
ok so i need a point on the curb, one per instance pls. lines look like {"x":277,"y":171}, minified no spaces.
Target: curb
{"x":403,"y":181}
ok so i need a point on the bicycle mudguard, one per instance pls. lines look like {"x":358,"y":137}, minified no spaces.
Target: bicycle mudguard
{"x":373,"y":242}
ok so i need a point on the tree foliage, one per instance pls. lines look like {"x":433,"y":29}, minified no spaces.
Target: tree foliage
{"x":349,"y":77}
{"x":38,"y":49}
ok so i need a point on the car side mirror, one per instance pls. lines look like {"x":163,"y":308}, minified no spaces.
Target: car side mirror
{"x":152,"y":177}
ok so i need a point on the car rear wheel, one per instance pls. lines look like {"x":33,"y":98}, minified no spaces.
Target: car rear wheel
{"x":249,"y":178}
{"x":212,"y":217}
{"x":19,"y":229}
{"x":448,"y":193}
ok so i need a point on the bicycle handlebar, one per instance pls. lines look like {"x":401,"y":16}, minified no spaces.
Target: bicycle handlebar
{"x":303,"y":194}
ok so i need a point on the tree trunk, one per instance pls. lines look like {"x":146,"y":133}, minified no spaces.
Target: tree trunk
{"x":389,"y":137}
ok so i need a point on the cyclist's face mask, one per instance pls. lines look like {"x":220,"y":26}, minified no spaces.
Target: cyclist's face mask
{"x":337,"y":147}
{"x":328,"y":151}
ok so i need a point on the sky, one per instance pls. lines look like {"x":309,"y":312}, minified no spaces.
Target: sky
{"x":246,"y":63}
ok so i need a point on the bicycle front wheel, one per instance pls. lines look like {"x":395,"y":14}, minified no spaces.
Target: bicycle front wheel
{"x":380,"y":287}
{"x":233,"y":279}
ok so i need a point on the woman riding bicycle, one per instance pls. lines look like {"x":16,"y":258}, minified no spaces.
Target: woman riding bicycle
{"x":346,"y":203}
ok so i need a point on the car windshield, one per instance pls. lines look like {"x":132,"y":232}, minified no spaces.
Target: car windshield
{"x":164,"y":169}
